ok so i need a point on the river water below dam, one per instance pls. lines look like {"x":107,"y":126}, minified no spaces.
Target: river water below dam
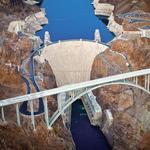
{"x":75,"y":19}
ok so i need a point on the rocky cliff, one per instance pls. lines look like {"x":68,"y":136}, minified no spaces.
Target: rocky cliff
{"x":132,"y":5}
{"x":129,"y":106}
{"x":14,"y":50}
{"x":113,"y":2}
{"x":14,"y":10}
{"x":127,"y":15}
{"x":128,"y":5}
{"x":138,"y":14}
{"x":18,"y":138}
{"x":136,"y":50}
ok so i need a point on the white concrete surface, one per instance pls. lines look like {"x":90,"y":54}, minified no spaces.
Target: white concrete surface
{"x":103,"y":9}
{"x":113,"y":26}
{"x":92,"y":108}
{"x":145,"y":33}
{"x":16,"y":26}
{"x":71,"y":61}
{"x":47,"y":38}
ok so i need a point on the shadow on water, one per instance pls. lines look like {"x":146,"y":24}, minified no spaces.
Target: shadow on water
{"x":86,"y":136}
{"x":104,"y":19}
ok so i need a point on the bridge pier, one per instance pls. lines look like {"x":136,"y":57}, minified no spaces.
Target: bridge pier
{"x":46,"y":112}
{"x":3,"y":115}
{"x":147,"y":82}
{"x":32,"y":115}
{"x":18,"y":115}
{"x":66,"y":115}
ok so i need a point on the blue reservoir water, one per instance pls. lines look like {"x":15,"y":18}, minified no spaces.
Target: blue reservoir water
{"x":75,"y":19}
{"x":72,"y":19}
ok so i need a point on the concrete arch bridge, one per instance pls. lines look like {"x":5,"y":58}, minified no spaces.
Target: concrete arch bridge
{"x":77,"y":90}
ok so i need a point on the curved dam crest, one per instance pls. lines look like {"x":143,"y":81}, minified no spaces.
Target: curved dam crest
{"x":71,"y":61}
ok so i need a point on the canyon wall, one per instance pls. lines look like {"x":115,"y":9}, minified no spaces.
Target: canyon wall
{"x":113,"y":2}
{"x":141,"y":7}
{"x":11,"y":12}
{"x":127,"y":15}
{"x":14,"y":50}
{"x":137,"y":51}
{"x":129,"y":106}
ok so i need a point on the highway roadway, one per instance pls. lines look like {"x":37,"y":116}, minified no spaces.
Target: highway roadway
{"x":24,"y":107}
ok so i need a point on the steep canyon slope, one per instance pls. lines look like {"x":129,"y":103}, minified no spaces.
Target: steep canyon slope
{"x":129,"y":106}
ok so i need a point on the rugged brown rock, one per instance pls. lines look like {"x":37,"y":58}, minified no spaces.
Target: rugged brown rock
{"x":113,"y":2}
{"x":141,"y":7}
{"x":129,"y":6}
{"x":12,"y":10}
{"x":13,"y":51}
{"x":136,"y":50}
{"x":15,"y":138}
{"x":129,"y":106}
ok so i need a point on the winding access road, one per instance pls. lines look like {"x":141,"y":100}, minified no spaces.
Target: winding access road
{"x":24,"y":106}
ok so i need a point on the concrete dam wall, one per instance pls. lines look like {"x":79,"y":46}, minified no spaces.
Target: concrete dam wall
{"x":71,"y":61}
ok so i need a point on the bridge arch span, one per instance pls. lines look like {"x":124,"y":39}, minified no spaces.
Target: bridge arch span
{"x":57,"y":114}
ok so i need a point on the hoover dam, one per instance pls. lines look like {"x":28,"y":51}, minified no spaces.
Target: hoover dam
{"x":71,"y":61}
